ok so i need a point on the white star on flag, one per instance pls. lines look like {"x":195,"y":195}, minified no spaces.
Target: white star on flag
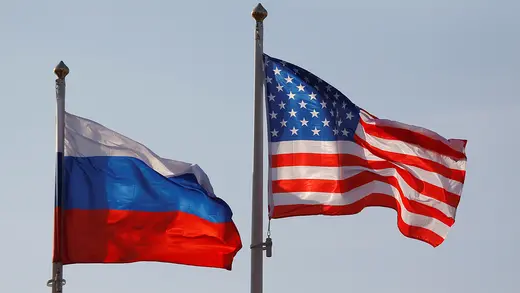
{"x":325,"y":122}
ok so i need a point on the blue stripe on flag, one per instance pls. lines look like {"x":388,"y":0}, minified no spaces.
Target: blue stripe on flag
{"x":126,"y":183}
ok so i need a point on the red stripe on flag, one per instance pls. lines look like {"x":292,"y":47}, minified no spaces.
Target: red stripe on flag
{"x":117,"y":236}
{"x":425,"y":164}
{"x":372,"y":200}
{"x":58,"y":234}
{"x":344,"y":160}
{"x":412,"y":137}
{"x":346,"y":185}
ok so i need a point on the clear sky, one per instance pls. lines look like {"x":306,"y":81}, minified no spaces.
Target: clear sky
{"x":178,"y":77}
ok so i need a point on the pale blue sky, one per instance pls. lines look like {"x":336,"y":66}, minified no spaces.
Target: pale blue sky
{"x":178,"y":76}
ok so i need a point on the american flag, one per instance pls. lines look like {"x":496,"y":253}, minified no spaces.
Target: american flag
{"x":328,"y":156}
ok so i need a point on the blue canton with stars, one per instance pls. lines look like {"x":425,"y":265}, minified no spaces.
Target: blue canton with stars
{"x":301,"y":106}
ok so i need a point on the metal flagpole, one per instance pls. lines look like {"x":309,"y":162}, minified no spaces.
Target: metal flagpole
{"x":57,"y":282}
{"x":257,"y":245}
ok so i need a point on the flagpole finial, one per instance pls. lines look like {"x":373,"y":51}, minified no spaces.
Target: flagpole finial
{"x":259,"y":13}
{"x":61,"y":70}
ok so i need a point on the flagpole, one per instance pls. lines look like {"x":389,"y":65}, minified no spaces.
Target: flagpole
{"x":57,"y":282}
{"x":257,"y":246}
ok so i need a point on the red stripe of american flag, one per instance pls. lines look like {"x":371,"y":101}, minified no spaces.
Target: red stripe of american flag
{"x":371,"y":200}
{"x":390,"y":137}
{"x":328,"y":160}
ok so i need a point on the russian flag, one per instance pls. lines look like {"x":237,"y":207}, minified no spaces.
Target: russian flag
{"x":122,"y":203}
